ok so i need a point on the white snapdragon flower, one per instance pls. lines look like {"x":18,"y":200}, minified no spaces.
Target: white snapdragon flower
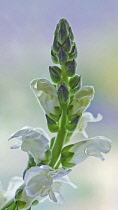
{"x":41,"y":182}
{"x":7,"y":195}
{"x":80,"y":151}
{"x":83,"y":121}
{"x":81,"y":100}
{"x":32,"y":142}
{"x":46,"y":94}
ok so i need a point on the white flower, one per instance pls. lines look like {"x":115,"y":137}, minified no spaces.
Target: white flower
{"x":83,"y":121}
{"x":33,"y":142}
{"x":41,"y":182}
{"x":46,"y":94}
{"x":56,"y":187}
{"x":80,"y":151}
{"x":81,"y":100}
{"x":7,"y":195}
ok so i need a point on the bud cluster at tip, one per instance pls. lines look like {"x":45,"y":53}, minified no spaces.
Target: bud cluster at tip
{"x":63,"y":48}
{"x":64,"y":53}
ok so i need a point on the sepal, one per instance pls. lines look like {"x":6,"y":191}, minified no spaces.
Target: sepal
{"x":52,"y":125}
{"x":73,"y":124}
{"x":21,"y":204}
{"x":12,"y":207}
{"x":66,"y":157}
{"x":80,"y":151}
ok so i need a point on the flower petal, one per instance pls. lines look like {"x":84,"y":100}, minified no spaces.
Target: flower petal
{"x":80,"y":151}
{"x":81,"y":100}
{"x":85,"y":118}
{"x":46,"y":94}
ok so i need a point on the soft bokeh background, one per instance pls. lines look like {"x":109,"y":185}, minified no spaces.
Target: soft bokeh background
{"x":26,"y":35}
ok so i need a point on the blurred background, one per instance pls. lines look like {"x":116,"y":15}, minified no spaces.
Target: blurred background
{"x":26,"y":35}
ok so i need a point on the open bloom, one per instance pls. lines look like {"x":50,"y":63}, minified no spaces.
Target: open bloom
{"x":46,"y":95}
{"x":32,"y":142}
{"x":43,"y":182}
{"x":76,"y":153}
{"x":81,"y":100}
{"x":83,"y":121}
{"x":7,"y":195}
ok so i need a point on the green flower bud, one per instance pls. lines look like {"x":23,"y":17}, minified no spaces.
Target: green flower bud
{"x":73,"y":124}
{"x":71,"y":34}
{"x":62,"y":32}
{"x":67,"y":45}
{"x":54,"y":57}
{"x":70,"y":68}
{"x":56,"y":30}
{"x":52,"y":125}
{"x":56,"y":45}
{"x":73,"y":53}
{"x":62,"y":56}
{"x":55,"y":73}
{"x":63,"y":93}
{"x":75,"y":83}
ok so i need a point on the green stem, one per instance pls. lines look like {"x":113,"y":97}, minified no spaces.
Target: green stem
{"x":62,"y":133}
{"x":9,"y":203}
{"x":60,"y":138}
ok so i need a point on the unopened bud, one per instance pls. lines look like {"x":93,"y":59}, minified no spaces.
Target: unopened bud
{"x":73,"y":53}
{"x":70,"y":68}
{"x":75,"y":83}
{"x":55,"y":73}
{"x":67,"y":45}
{"x":54,"y":57}
{"x":63,"y":93}
{"x":56,"y":45}
{"x":62,"y":56}
{"x":71,"y":34}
